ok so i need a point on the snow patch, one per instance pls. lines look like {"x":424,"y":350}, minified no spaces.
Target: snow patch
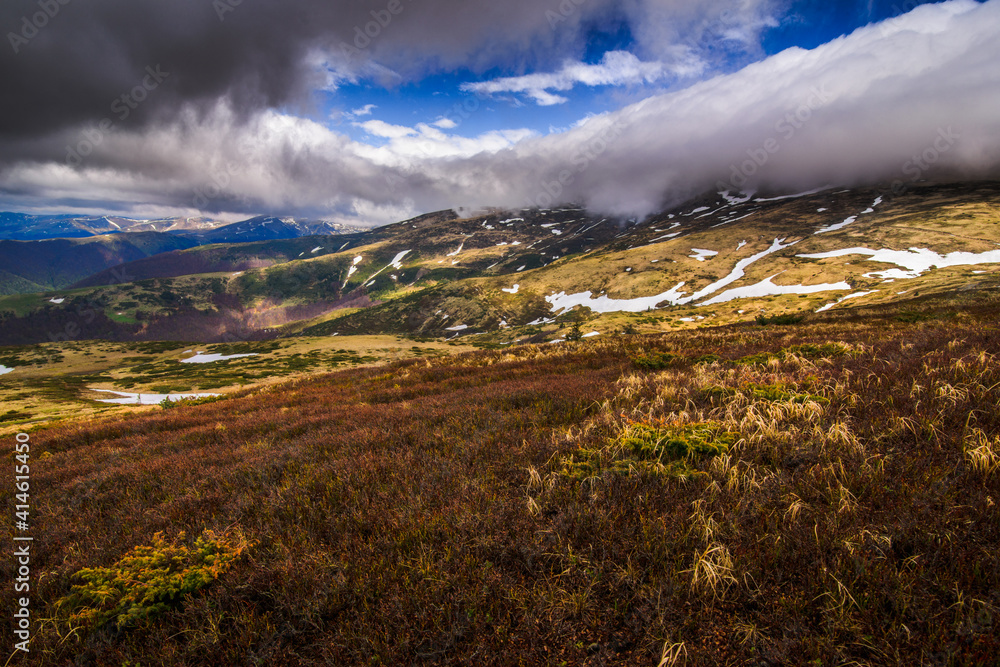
{"x":697,"y":210}
{"x":801,"y":194}
{"x":4,"y":370}
{"x":129,"y":398}
{"x":460,"y":246}
{"x":316,"y":250}
{"x":396,"y":262}
{"x":203,"y":358}
{"x":666,"y":236}
{"x":460,"y":327}
{"x":768,"y":288}
{"x":57,"y":301}
{"x":845,"y":298}
{"x":603,"y":304}
{"x":915,"y":260}
{"x":839,"y":225}
{"x":591,"y":334}
{"x":701,"y":254}
{"x":512,"y":290}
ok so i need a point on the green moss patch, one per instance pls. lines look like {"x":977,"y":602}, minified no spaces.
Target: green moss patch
{"x":661,"y":448}
{"x":149,"y":580}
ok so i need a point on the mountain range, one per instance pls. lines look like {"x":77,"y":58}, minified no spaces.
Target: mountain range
{"x":53,"y":252}
{"x":538,"y":274}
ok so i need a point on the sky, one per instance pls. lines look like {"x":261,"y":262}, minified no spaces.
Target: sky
{"x":371,"y":111}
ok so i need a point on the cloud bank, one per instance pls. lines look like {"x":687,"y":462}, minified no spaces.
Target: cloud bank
{"x":914,"y":97}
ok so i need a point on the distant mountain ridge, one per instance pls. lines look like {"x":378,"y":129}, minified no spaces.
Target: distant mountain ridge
{"x":43,"y":253}
{"x":28,"y":227}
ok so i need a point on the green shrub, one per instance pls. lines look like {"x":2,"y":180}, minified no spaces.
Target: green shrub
{"x":911,"y":317}
{"x":666,"y":449}
{"x":706,"y":359}
{"x":655,"y":361}
{"x":167,"y":403}
{"x":807,"y":350}
{"x":821,"y":350}
{"x":149,"y":580}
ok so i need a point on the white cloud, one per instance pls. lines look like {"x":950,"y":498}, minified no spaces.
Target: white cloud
{"x":360,"y":112}
{"x":379,"y":128}
{"x":409,"y":146}
{"x":616,"y":68}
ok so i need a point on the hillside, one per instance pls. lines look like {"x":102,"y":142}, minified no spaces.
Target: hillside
{"x":213,"y":258}
{"x":817,"y":493}
{"x":538,"y":273}
{"x":35,"y":266}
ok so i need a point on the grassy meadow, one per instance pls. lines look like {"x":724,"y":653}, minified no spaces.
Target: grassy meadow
{"x":54,"y":381}
{"x":820,"y":492}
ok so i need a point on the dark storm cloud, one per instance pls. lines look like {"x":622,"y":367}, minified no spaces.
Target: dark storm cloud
{"x":64,"y":62}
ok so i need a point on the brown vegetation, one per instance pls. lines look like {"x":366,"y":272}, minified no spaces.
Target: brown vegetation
{"x":424,"y":512}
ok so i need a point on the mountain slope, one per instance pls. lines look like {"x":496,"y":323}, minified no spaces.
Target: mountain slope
{"x":536,"y":273}
{"x":214,"y":258}
{"x":57,"y":263}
